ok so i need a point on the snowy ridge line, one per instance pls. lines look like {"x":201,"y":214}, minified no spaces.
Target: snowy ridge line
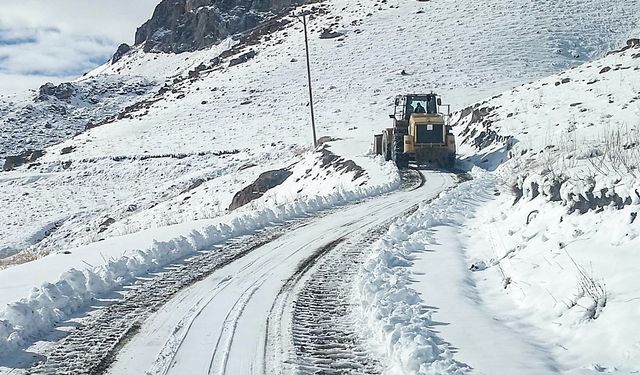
{"x":393,"y":313}
{"x":52,"y":303}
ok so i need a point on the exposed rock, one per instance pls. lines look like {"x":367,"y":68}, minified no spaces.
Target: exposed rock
{"x":242,"y":58}
{"x":67,"y":150}
{"x":105,"y":225}
{"x":329,"y":34}
{"x":64,"y":91}
{"x":326,"y":139}
{"x":12,"y":162}
{"x":47,"y":89}
{"x":265,"y":182}
{"x":188,"y":25}
{"x":329,"y":159}
{"x":120,"y":52}
{"x":631,"y":43}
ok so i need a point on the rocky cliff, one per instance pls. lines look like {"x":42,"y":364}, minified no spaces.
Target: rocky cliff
{"x":188,"y":25}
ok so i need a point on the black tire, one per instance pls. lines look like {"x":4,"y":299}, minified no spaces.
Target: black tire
{"x":397,"y":151}
{"x":451,"y":160}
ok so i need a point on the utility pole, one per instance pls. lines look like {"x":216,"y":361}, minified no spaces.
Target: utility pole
{"x":303,"y":18}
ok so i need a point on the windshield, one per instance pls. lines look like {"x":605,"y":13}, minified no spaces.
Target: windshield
{"x":422,"y":104}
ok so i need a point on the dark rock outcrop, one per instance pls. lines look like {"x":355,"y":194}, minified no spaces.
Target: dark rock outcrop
{"x":63,"y":91}
{"x":330,"y":34}
{"x":12,"y":162}
{"x":265,"y":182}
{"x":120,"y":52}
{"x":47,"y":89}
{"x":188,"y":25}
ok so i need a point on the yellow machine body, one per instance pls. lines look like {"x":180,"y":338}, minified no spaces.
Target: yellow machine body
{"x":421,"y":132}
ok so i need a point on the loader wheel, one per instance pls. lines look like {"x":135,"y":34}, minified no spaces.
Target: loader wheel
{"x":402,"y":161}
{"x":451,"y":160}
{"x":397,"y":152}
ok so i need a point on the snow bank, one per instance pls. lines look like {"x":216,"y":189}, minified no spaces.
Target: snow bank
{"x":392,"y":311}
{"x":51,"y":303}
{"x":557,"y":251}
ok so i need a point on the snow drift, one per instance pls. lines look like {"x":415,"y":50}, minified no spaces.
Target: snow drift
{"x":53,"y":302}
{"x":392,"y":311}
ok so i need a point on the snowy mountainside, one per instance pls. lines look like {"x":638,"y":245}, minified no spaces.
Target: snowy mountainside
{"x":245,"y":100}
{"x":57,"y":113}
{"x":556,"y":249}
{"x":220,"y":117}
{"x":580,"y":123}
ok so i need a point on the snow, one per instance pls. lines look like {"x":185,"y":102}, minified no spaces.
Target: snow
{"x":537,"y":259}
{"x":220,"y":322}
{"x":543,"y":261}
{"x":392,"y":310}
{"x":167,"y":172}
{"x":134,"y":255}
{"x":487,"y":344}
{"x":353,"y":98}
{"x":560,"y":240}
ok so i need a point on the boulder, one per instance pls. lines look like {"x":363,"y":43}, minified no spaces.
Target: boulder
{"x":242,"y":58}
{"x":329,"y":34}
{"x":64,"y":91}
{"x":47,"y":89}
{"x":265,"y":182}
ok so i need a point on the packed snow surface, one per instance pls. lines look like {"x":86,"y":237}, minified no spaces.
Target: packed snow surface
{"x":153,"y":183}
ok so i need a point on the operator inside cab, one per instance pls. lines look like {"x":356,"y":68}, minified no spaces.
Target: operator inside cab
{"x":423,"y":104}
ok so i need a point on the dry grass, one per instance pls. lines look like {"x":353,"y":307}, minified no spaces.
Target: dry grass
{"x":20,"y":258}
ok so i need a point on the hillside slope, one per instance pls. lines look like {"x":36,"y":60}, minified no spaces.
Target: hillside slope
{"x":155,"y":177}
{"x":556,"y":250}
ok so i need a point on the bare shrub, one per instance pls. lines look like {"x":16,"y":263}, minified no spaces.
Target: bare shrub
{"x":620,"y":152}
{"x":592,"y":288}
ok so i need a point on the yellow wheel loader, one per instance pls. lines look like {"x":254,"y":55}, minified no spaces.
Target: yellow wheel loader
{"x":421,"y":133}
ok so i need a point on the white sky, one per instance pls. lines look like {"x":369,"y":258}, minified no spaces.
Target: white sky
{"x":55,"y":40}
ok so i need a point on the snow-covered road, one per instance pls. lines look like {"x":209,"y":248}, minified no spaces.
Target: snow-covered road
{"x":477,"y":338}
{"x":225,"y":323}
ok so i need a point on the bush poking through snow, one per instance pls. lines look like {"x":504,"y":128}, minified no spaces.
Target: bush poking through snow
{"x":620,"y":154}
{"x":591,"y":288}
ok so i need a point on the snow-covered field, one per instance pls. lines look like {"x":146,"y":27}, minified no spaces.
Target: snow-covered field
{"x":172,"y":164}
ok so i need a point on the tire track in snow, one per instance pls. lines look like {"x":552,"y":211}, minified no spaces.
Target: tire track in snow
{"x":236,"y":312}
{"x":324,"y":339}
{"x":321,"y":329}
{"x":168,"y":352}
{"x":93,"y":346}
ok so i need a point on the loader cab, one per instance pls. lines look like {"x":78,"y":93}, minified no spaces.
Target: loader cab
{"x":405,"y":105}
